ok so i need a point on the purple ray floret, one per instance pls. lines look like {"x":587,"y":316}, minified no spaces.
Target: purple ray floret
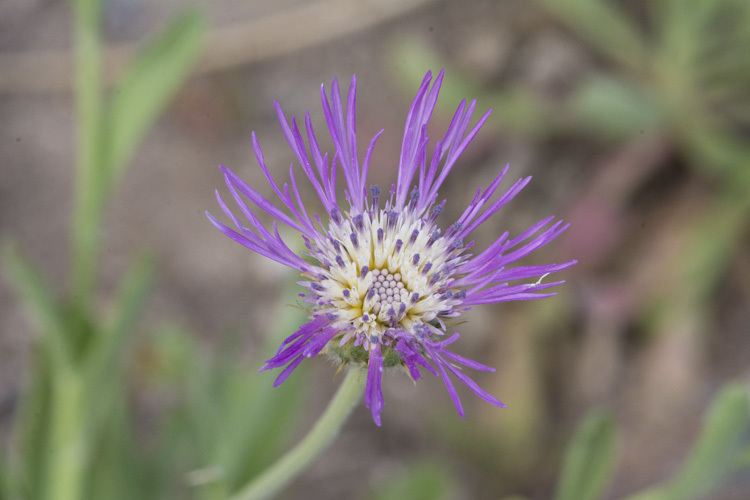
{"x":382,"y":277}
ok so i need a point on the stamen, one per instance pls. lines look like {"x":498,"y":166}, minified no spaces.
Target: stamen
{"x":413,"y":198}
{"x":375,"y":193}
{"x":336,"y":215}
{"x":433,"y":238}
{"x":399,"y":244}
{"x":355,"y":241}
{"x":436,"y":210}
{"x":435,"y":278}
{"x":415,"y":259}
{"x":364,"y":271}
{"x":392,"y":219}
{"x":358,"y":221}
{"x":426,"y":268}
{"x":381,"y":233}
{"x":414,"y":235}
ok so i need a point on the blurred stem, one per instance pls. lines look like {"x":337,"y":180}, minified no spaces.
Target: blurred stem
{"x":322,"y":434}
{"x":68,"y":449}
{"x":89,"y":171}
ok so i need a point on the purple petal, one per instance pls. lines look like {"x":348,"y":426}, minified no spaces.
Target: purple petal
{"x":373,"y":390}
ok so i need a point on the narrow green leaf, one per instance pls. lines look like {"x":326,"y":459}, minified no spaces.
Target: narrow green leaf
{"x":608,"y":29}
{"x":420,"y":481}
{"x":714,"y":454}
{"x":612,"y":107}
{"x":5,"y":493}
{"x":717,"y":453}
{"x":38,"y":298}
{"x":589,"y":460}
{"x":146,"y":89}
{"x":103,"y":365}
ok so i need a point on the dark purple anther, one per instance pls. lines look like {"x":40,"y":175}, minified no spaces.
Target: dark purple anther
{"x":415,"y":259}
{"x":457,"y":243}
{"x":455,"y":227}
{"x":413,"y":237}
{"x":340,"y":262}
{"x":375,"y":193}
{"x":365,"y":318}
{"x":414,"y":297}
{"x":433,"y":238}
{"x":426,"y":268}
{"x":381,"y":233}
{"x":435,"y":278}
{"x":436,"y":210}
{"x":346,"y":293}
{"x":399,"y":244}
{"x":364,"y":271}
{"x":392,"y":219}
{"x":413,"y":198}
{"x":335,"y":215}
{"x":370,"y":293}
{"x":359,"y":222}
{"x":354,"y":239}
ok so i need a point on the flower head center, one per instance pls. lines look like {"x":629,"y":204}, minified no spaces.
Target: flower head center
{"x":389,"y":290}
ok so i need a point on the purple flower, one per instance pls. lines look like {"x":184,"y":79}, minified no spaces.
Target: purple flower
{"x":387,"y":281}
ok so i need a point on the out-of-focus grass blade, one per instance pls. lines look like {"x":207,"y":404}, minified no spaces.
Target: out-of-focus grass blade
{"x":716,"y":454}
{"x":613,"y":108}
{"x":5,"y":493}
{"x":606,"y":27}
{"x":589,"y":459}
{"x":516,"y":108}
{"x":118,"y":470}
{"x":420,"y":481}
{"x":258,"y":418}
{"x":32,"y":432}
{"x":104,"y":362}
{"x":37,"y":296}
{"x":147,"y":87}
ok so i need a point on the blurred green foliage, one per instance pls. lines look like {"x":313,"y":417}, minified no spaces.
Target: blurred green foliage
{"x":77,"y":436}
{"x":419,"y":481}
{"x":724,"y":441}
{"x":590,"y":460}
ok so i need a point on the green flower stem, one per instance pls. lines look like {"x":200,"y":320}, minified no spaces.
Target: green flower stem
{"x":68,"y":452}
{"x":325,"y":430}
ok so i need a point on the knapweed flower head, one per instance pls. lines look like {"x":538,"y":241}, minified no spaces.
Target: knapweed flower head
{"x":384,"y":278}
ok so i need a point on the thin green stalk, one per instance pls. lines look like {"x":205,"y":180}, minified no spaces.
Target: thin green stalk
{"x":68,"y":447}
{"x":322,"y":434}
{"x":89,"y":171}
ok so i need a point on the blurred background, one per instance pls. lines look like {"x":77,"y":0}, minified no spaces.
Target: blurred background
{"x":632,"y":117}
